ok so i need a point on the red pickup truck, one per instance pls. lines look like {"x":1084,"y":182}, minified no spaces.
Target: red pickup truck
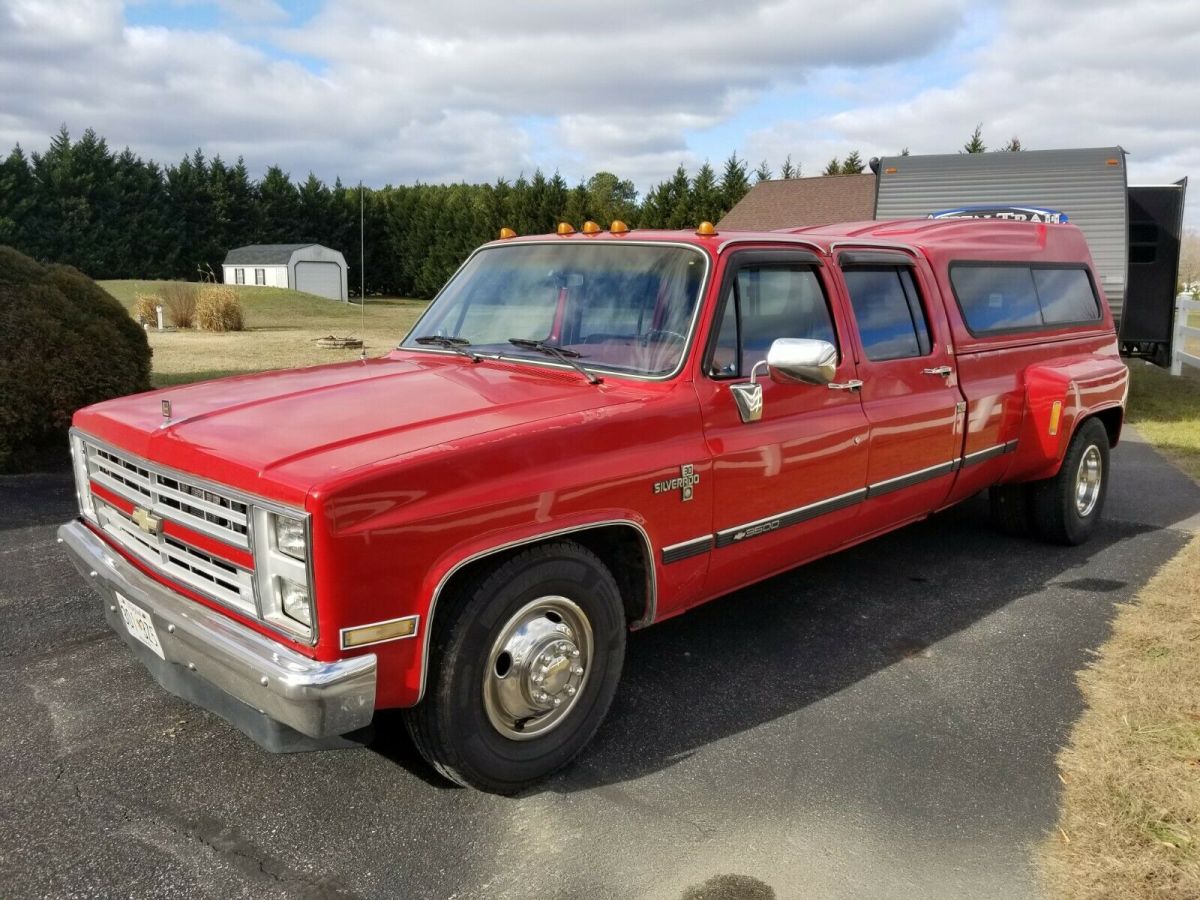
{"x":585,"y":433}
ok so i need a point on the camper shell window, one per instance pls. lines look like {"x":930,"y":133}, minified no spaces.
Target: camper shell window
{"x":1006,"y":298}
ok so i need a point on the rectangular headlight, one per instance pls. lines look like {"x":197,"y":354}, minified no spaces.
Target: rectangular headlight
{"x":294,"y":600}
{"x":83,"y":484}
{"x":291,"y":536}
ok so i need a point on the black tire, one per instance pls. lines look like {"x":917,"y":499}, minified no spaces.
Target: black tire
{"x":1011,"y":508}
{"x":1056,"y":515}
{"x":451,"y":726}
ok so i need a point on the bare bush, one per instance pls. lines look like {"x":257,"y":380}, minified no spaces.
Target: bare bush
{"x":179,"y":300}
{"x":219,"y":309}
{"x":145,"y":309}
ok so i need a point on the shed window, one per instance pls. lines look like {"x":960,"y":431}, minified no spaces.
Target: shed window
{"x":239,"y":276}
{"x":260,"y":276}
{"x":999,"y":298}
{"x":888,"y":312}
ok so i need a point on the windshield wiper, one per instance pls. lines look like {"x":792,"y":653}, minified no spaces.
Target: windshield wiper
{"x":457,"y":344}
{"x":570,"y":357}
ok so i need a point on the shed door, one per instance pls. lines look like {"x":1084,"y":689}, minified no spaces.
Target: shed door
{"x":321,"y":278}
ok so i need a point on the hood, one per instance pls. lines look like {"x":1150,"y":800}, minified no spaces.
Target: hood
{"x":281,"y":434}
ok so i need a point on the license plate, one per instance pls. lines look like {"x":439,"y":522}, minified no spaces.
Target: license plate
{"x":140,"y":625}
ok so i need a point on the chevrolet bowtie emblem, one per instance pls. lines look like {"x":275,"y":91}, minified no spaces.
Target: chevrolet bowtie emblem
{"x":144,"y":520}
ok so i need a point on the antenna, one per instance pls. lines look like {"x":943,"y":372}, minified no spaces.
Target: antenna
{"x":362,"y":270}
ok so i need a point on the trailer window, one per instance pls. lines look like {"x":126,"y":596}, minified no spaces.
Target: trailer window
{"x":888,"y":312}
{"x":1014,"y":297}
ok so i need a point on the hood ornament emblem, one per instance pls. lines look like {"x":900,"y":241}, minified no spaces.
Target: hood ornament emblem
{"x":166,"y":413}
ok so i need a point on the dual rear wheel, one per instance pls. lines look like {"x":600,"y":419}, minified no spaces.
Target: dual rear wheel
{"x":1066,"y":508}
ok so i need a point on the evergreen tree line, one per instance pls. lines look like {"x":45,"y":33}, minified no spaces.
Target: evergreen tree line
{"x":115,"y":215}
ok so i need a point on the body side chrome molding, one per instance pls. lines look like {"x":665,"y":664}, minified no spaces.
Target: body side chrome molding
{"x":989,"y":453}
{"x":651,"y":587}
{"x":912,"y":478}
{"x":687,"y":549}
{"x":739,"y":533}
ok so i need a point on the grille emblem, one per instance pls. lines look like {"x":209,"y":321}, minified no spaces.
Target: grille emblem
{"x":166,"y":411}
{"x":144,"y":520}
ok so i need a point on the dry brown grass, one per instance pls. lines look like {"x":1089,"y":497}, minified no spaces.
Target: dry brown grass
{"x":1129,"y":826}
{"x":219,"y":309}
{"x":179,"y":302}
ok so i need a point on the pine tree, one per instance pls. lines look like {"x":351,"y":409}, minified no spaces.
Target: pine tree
{"x":734,"y":183}
{"x":680,"y":212}
{"x":315,"y":203}
{"x":1013,"y":146}
{"x":279,"y":207}
{"x":706,"y":198}
{"x":788,"y":171}
{"x":17,"y":208}
{"x":853,"y":164}
{"x":833,"y":167}
{"x":975,"y":144}
{"x":762,"y":173}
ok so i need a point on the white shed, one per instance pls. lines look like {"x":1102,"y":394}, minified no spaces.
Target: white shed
{"x":301,"y":267}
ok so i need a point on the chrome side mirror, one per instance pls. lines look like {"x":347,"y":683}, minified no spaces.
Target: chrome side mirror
{"x":801,"y":361}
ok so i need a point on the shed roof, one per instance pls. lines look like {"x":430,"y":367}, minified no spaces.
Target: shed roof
{"x":263,"y":254}
{"x":795,"y":202}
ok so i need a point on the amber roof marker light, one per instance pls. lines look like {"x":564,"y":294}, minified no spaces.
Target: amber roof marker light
{"x":506,"y":233}
{"x":618,"y":227}
{"x":565,"y":228}
{"x":706,"y":229}
{"x":590,"y":227}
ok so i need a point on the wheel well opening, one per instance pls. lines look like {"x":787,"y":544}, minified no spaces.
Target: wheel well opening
{"x":620,"y":547}
{"x":1112,"y":419}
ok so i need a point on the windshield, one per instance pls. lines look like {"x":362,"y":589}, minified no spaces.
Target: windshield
{"x":620,"y":307}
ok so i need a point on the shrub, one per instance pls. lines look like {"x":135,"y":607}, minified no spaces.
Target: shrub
{"x":179,"y":303}
{"x":64,"y":343}
{"x":145,"y":309}
{"x":219,"y":309}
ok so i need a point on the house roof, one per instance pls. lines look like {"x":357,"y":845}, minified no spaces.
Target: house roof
{"x":796,"y":202}
{"x":263,"y":254}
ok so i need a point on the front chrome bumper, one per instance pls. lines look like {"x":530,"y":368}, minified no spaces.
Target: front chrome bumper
{"x":277,"y":696}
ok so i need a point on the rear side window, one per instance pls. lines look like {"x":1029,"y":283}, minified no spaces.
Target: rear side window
{"x":888,"y":312}
{"x":1003,"y":298}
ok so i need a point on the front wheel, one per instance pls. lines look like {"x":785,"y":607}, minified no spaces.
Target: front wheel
{"x":524,"y":663}
{"x":1067,"y":507}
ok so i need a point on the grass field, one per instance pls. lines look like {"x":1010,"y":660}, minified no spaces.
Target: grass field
{"x":1129,"y":825}
{"x":281,"y":329}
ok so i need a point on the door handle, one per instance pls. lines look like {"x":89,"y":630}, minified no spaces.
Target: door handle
{"x":944,"y":371}
{"x":852,"y":385}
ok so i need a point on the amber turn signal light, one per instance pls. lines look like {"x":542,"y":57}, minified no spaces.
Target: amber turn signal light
{"x":706,"y":229}
{"x":618,"y":227}
{"x":506,"y":233}
{"x":566,"y":228}
{"x":379,"y":632}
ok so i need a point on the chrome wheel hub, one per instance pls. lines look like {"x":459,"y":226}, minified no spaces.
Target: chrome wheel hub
{"x":537,"y":668}
{"x":1087,"y":481}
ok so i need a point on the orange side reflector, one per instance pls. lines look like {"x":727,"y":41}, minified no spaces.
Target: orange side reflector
{"x":1112,"y":162}
{"x":565,"y":228}
{"x":590,"y":227}
{"x":890,"y":170}
{"x":379,"y":632}
{"x":1055,"y":416}
{"x":618,"y":227}
{"x":506,"y":233}
{"x":706,"y":229}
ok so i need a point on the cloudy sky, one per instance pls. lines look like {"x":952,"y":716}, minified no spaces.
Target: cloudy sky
{"x":400,"y":90}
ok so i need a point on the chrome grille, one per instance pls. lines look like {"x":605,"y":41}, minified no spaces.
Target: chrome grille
{"x":203,"y":572}
{"x":171,"y":497}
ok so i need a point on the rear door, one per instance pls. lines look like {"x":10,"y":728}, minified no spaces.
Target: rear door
{"x":788,"y":487}
{"x":910,"y":392}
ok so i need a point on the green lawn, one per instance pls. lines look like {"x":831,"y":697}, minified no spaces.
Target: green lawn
{"x":281,"y":329}
{"x":1166,"y":410}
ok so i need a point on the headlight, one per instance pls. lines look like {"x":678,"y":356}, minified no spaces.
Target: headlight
{"x":281,"y":568}
{"x":294,"y":600}
{"x":83,"y":484}
{"x":291,"y":537}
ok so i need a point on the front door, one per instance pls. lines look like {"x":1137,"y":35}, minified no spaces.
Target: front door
{"x":909,"y":388}
{"x":787,"y":487}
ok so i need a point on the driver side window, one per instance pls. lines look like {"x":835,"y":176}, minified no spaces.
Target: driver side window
{"x":763,"y":303}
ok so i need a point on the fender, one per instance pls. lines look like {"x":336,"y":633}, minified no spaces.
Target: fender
{"x":1057,"y":399}
{"x":464,"y":554}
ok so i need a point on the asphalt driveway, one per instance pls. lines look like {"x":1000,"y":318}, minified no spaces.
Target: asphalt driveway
{"x":879,"y":724}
